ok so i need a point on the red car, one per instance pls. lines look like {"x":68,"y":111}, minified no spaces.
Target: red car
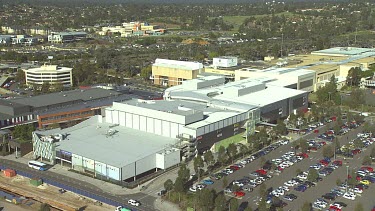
{"x":280,"y":169}
{"x":333,"y":208}
{"x":313,"y":149}
{"x":368,"y":168}
{"x":304,"y":155}
{"x":356,"y":151}
{"x":358,"y":178}
{"x":239,"y":193}
{"x":324,"y":162}
{"x":234,"y":168}
{"x":323,"y":142}
{"x":337,"y":162}
{"x":261,"y":171}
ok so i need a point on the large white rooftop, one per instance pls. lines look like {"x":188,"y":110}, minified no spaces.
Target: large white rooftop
{"x":91,"y":140}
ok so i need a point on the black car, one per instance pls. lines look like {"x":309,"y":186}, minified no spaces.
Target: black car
{"x":341,"y":203}
{"x":361,"y":186}
{"x":329,"y":196}
{"x":309,"y":184}
{"x":319,"y":179}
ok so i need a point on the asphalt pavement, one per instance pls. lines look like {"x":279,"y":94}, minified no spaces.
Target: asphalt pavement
{"x":311,"y":194}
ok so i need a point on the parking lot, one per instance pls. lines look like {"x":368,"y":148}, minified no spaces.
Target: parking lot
{"x":312,"y":193}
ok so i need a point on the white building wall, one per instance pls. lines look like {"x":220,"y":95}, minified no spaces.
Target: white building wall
{"x":145,"y":164}
{"x":100,"y":168}
{"x":108,"y":116}
{"x":166,"y":129}
{"x":142,"y":123}
{"x":167,"y":159}
{"x":135,"y":121}
{"x":88,"y":163}
{"x":150,"y":125}
{"x":122,"y":118}
{"x":129,"y":120}
{"x":128,"y":171}
{"x":115,"y":117}
{"x":113,"y":172}
{"x":157,"y":124}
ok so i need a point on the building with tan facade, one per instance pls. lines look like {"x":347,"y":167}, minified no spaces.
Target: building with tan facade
{"x":172,"y":72}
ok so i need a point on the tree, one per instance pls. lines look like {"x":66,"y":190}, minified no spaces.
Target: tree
{"x":328,"y":151}
{"x":313,"y":175}
{"x":356,"y":99}
{"x":306,"y":206}
{"x":179,"y":185}
{"x":366,"y":160}
{"x":146,"y":72}
{"x":205,"y":199}
{"x":44,"y":207}
{"x":197,"y":163}
{"x":298,"y":171}
{"x":336,"y":128}
{"x":208,"y":158}
{"x":262,"y":205}
{"x":232,"y":151}
{"x":221,"y":155}
{"x":303,"y":145}
{"x":184,"y":173}
{"x":369,"y":127}
{"x":57,"y":87}
{"x":358,"y":207}
{"x":280,"y":128}
{"x":248,"y":209}
{"x":354,"y":76}
{"x":233,"y":204}
{"x":220,"y":203}
{"x":45,"y":87}
{"x":168,"y":185}
{"x":358,"y":143}
{"x":23,"y":132}
{"x":338,"y":181}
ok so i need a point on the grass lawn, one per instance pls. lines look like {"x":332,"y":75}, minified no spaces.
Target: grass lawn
{"x":225,"y":143}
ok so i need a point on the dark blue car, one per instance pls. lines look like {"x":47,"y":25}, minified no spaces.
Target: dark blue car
{"x":301,"y":188}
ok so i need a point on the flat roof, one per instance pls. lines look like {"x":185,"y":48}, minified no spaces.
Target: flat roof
{"x":345,"y":51}
{"x":265,"y":97}
{"x":175,"y":107}
{"x":89,"y":139}
{"x":321,"y":67}
{"x":64,"y":97}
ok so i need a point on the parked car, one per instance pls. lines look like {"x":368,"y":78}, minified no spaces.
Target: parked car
{"x":329,"y":196}
{"x":301,"y":188}
{"x":239,"y":193}
{"x":207,"y":182}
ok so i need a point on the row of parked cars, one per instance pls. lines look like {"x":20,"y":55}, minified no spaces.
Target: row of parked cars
{"x":299,"y":183}
{"x":367,"y":176}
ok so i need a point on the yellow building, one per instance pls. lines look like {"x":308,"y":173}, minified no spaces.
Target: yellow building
{"x":172,"y":72}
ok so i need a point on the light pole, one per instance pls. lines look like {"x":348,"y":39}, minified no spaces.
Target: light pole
{"x":347,"y":178}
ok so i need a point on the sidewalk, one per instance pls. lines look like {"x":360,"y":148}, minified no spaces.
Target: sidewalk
{"x":165,"y":205}
{"x":106,"y":186}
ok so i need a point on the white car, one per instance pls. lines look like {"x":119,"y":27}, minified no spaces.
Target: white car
{"x":319,"y":205}
{"x":349,"y":195}
{"x":284,"y":188}
{"x":302,"y":176}
{"x":284,"y":142}
{"x":290,"y":183}
{"x":357,"y":190}
{"x":134,"y":202}
{"x":193,"y":188}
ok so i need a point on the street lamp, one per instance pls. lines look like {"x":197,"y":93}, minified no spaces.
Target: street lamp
{"x":347,"y":177}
